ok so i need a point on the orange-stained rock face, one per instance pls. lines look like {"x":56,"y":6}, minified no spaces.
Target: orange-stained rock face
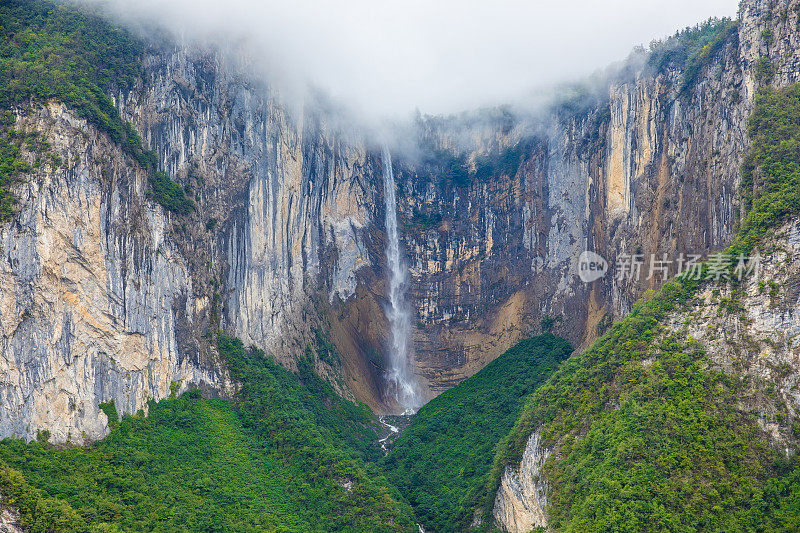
{"x":651,"y":169}
{"x":92,"y":295}
{"x":286,"y":248}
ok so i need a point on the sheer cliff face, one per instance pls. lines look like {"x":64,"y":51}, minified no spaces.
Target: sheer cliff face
{"x":288,"y":228}
{"x":108,"y":297}
{"x":93,"y":295}
{"x":105,"y":296}
{"x":761,"y":340}
{"x":652,"y":171}
{"x":291,"y":201}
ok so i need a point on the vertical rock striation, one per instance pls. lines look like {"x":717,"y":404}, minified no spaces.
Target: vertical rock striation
{"x":93,"y":296}
{"x":522,"y":496}
{"x":675,"y":164}
{"x":651,"y":169}
{"x":105,"y":296}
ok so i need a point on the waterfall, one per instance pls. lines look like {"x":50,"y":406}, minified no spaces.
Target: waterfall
{"x":399,"y":378}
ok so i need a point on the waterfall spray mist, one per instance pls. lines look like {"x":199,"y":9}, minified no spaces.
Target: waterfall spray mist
{"x":400,"y":378}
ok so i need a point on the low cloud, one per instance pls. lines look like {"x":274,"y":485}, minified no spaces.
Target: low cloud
{"x":386,"y":58}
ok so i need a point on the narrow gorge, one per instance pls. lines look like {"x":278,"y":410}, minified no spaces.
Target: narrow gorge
{"x":286,"y":246}
{"x":179,"y":236}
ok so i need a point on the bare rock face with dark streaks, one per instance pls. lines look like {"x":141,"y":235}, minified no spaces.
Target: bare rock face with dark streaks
{"x":105,"y":296}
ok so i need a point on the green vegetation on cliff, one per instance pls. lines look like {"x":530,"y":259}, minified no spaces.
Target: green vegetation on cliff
{"x":692,"y":49}
{"x":52,"y":51}
{"x":292,"y":456}
{"x":649,"y":435}
{"x":455,"y":168}
{"x":441,"y":461}
{"x":771,"y":171}
{"x":170,"y":194}
{"x":11,"y":167}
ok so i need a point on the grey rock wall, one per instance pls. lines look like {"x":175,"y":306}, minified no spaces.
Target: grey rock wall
{"x":106,"y":296}
{"x":92,"y":293}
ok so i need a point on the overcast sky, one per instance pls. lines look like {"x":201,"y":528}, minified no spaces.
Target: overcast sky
{"x":388,"y":57}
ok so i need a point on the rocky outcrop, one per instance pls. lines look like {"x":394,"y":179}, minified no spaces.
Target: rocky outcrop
{"x":9,"y":520}
{"x":769,"y":43}
{"x":93,"y":296}
{"x":753,"y":329}
{"x":522,"y":496}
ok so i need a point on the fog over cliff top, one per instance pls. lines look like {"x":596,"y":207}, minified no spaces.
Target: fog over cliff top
{"x":389,"y":57}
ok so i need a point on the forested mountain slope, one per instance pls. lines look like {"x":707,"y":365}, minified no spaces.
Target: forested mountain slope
{"x":683,"y":416}
{"x":441,"y":461}
{"x":287,"y":455}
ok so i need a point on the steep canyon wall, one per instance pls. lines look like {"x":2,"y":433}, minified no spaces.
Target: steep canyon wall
{"x":108,"y":297}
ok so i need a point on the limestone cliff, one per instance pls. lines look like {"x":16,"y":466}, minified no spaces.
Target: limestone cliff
{"x":94,"y":298}
{"x":522,"y":497}
{"x":105,"y":296}
{"x":648,"y":168}
{"x":287,"y":208}
{"x":652,"y":170}
{"x":690,"y":181}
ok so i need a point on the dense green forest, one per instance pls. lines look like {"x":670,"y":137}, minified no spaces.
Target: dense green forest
{"x":440,"y":462}
{"x":290,"y":456}
{"x":771,"y":171}
{"x":692,"y":49}
{"x":650,"y":435}
{"x":58,"y":52}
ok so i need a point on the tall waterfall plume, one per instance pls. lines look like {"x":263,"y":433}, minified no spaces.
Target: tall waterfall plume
{"x":400,"y":378}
